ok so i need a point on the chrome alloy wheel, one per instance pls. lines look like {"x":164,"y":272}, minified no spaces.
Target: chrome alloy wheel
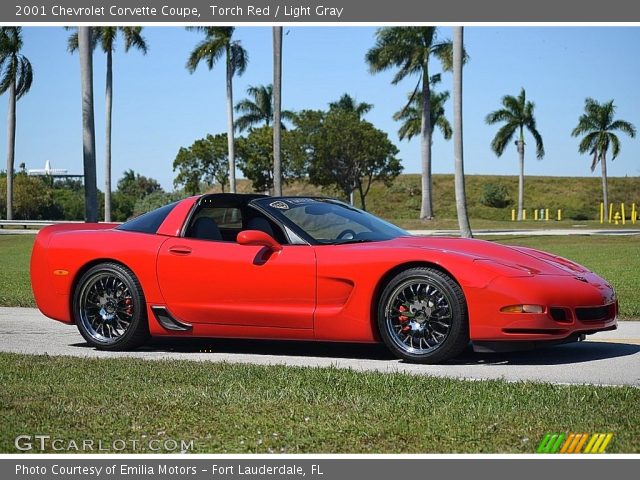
{"x":418,"y":316}
{"x":106,"y":307}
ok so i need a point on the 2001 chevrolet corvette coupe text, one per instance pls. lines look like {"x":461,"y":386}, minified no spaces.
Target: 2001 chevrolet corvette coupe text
{"x":252,"y":266}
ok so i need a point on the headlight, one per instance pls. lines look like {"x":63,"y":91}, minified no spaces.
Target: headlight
{"x":523,"y":309}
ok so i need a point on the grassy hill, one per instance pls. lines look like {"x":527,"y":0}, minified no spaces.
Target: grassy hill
{"x":578,"y":197}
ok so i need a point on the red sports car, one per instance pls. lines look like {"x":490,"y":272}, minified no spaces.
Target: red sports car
{"x":252,"y":266}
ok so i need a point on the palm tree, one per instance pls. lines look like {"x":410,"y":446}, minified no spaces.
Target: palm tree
{"x":16,"y":76}
{"x":461,"y":196}
{"x":597,"y":125}
{"x":219,"y":42}
{"x":517,"y":115}
{"x":349,"y":104}
{"x":259,"y":108}
{"x":277,"y":110}
{"x":410,"y":49}
{"x":411,"y":114}
{"x":85,"y":44}
{"x":106,"y":37}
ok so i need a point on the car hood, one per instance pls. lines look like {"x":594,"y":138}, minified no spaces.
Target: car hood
{"x":527,"y":261}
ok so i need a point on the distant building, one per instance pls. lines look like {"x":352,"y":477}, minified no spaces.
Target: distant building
{"x":51,"y":172}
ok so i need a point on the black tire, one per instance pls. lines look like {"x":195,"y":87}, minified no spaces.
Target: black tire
{"x":109,"y":308}
{"x":423,"y":306}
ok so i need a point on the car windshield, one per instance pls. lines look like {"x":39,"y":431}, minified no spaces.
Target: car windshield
{"x":328,"y":221}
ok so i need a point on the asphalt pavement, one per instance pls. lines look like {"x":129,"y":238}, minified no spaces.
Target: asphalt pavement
{"x":607,"y":358}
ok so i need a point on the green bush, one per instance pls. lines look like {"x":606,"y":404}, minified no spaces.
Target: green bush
{"x":495,"y":196}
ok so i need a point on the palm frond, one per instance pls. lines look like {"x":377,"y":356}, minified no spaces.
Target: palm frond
{"x":588,"y":143}
{"x":133,"y":39}
{"x":24,"y":78}
{"x":443,"y":51}
{"x":531,"y":126}
{"x":623,"y":126}
{"x":504,"y":137}
{"x":206,"y":50}
{"x":614,"y":141}
{"x":239,"y":58}
{"x":502,"y":115}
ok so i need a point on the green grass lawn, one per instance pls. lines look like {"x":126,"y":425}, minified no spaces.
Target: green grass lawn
{"x":15,"y":285}
{"x":244,"y":408}
{"x":615,"y":258}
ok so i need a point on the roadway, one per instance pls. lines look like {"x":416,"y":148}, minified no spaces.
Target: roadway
{"x":607,"y":358}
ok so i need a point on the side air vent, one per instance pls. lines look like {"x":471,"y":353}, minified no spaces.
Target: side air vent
{"x":168,"y":321}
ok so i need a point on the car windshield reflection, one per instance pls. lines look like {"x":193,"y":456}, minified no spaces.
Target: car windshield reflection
{"x":329,"y":222}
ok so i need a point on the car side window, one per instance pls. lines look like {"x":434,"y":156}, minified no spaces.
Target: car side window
{"x":216,"y":223}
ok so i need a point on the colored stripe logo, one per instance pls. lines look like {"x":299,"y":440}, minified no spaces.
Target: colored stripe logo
{"x":574,"y":443}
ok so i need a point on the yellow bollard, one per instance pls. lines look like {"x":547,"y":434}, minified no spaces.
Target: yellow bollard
{"x":524,"y":214}
{"x":601,"y":212}
{"x":546,"y":214}
{"x":513,"y":214}
{"x":559,"y":215}
{"x":622,"y":212}
{"x":610,"y":212}
{"x":535,"y":214}
{"x":634,"y":213}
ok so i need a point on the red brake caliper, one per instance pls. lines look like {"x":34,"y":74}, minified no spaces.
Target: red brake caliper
{"x":404,"y":318}
{"x":127,"y":302}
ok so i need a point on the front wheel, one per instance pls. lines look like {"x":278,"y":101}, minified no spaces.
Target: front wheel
{"x":109,"y":308}
{"x":422,"y":316}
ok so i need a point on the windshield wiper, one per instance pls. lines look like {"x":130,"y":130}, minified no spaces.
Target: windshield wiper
{"x":352,"y":240}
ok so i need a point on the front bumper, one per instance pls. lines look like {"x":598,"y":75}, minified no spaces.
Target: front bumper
{"x":572,"y":306}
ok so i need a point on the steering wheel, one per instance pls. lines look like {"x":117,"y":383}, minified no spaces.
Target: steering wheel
{"x":347,"y":234}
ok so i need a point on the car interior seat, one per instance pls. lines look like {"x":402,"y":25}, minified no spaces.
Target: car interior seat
{"x":261,"y":224}
{"x":206,"y":228}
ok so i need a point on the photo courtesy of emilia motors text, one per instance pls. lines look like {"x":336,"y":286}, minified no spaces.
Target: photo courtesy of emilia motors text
{"x":327,"y":239}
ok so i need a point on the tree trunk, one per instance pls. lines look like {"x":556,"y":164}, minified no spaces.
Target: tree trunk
{"x":277,"y":107}
{"x":426,"y":210}
{"x":88,"y":128}
{"x":107,"y":153}
{"x":605,"y":184}
{"x":11,"y":146}
{"x":520,"y":143}
{"x":230,"y":142}
{"x":363,"y":204}
{"x":461,"y":197}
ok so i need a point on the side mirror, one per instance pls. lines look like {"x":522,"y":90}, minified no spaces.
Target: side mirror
{"x":258,"y":238}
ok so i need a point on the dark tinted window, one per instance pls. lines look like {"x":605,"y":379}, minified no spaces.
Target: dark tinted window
{"x":148,"y":222}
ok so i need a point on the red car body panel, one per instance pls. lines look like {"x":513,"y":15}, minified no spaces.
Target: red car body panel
{"x":321,"y":292}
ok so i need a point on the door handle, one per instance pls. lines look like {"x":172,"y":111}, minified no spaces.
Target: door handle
{"x":180,"y":250}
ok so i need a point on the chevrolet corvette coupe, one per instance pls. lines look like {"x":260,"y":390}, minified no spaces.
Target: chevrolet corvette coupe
{"x":300,"y":268}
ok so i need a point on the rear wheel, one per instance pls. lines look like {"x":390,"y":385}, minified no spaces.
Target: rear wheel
{"x":109,"y":308}
{"x":422,"y":316}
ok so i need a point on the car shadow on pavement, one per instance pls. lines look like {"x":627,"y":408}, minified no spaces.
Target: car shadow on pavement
{"x":579,"y":352}
{"x":273,"y":347}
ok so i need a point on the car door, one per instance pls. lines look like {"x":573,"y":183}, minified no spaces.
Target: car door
{"x":223,"y":282}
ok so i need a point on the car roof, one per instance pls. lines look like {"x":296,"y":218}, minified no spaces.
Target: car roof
{"x":242,"y":199}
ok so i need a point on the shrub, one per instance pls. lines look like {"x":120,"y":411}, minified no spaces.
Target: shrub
{"x":495,"y":196}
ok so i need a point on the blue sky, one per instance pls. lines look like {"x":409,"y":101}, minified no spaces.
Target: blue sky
{"x":159,"y":106}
